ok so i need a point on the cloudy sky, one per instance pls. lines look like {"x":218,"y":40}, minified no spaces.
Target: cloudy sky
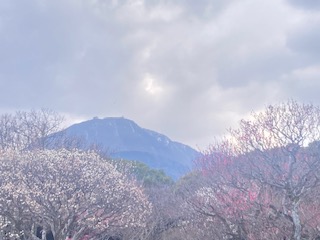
{"x":186,"y":68}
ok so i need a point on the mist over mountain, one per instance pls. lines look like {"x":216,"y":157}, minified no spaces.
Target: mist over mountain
{"x":123,"y":138}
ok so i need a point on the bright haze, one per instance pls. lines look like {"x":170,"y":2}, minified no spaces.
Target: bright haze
{"x":188,"y":69}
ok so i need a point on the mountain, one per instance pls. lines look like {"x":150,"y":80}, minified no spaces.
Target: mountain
{"x":123,"y":138}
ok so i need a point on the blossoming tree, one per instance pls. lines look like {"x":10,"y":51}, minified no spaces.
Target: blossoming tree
{"x":269,"y":167}
{"x":68,"y":192}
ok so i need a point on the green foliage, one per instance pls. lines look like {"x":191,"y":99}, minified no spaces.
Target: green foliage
{"x":150,"y":177}
{"x":147,"y":176}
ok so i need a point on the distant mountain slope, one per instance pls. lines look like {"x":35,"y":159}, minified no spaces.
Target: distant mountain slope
{"x":123,"y":138}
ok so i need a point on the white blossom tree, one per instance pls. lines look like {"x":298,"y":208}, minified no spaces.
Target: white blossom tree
{"x":68,"y":192}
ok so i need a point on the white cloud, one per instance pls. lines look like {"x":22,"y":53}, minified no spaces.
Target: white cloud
{"x":189,"y":69}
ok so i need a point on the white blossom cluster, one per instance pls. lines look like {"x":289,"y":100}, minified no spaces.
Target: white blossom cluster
{"x":67,"y":192}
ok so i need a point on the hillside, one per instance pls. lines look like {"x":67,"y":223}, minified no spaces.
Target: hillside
{"x":123,"y":138}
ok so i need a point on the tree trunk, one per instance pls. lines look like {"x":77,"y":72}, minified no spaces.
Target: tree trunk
{"x":296,"y":221}
{"x":43,"y":234}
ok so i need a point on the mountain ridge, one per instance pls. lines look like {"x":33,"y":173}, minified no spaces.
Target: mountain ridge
{"x":123,"y":138}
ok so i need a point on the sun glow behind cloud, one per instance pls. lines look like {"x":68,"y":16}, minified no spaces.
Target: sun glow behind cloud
{"x":151,"y":86}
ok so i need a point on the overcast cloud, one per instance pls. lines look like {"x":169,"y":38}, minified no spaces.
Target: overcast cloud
{"x":188,"y":69}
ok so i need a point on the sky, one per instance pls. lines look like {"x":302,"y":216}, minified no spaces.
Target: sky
{"x":188,"y":69}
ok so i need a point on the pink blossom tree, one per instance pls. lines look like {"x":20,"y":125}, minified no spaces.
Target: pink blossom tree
{"x":271,"y":163}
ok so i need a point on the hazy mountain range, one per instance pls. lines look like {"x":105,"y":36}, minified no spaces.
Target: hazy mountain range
{"x":123,"y":138}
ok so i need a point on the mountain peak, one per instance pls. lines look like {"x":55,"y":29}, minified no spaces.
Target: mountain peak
{"x":125,"y":139}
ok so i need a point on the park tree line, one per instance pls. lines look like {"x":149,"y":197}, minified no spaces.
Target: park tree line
{"x":260,"y":181}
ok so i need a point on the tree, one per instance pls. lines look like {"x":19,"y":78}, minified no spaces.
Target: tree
{"x":68,"y":192}
{"x":220,"y":199}
{"x":276,"y":155}
{"x":159,"y":189}
{"x":26,"y":129}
